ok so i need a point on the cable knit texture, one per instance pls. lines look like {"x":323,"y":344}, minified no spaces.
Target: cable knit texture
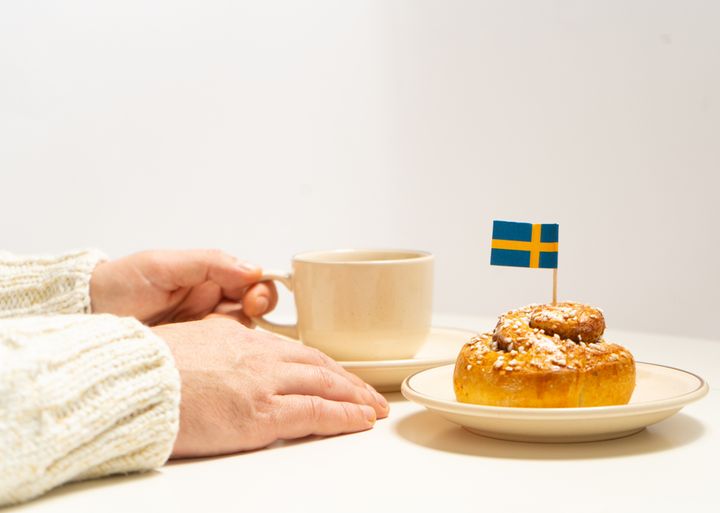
{"x":42,"y":285}
{"x":81,"y":396}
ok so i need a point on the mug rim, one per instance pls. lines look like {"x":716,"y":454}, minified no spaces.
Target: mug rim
{"x":312,"y":257}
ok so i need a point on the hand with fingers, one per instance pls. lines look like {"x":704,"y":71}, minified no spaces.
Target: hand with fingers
{"x":159,"y":287}
{"x":243,"y":389}
{"x":240,"y":389}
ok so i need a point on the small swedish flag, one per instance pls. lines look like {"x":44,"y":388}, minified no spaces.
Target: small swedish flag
{"x":525,"y":244}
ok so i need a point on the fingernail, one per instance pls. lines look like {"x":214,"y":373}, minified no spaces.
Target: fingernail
{"x":383,"y":401}
{"x":378,"y":396}
{"x":248,"y":267}
{"x":369,"y":414}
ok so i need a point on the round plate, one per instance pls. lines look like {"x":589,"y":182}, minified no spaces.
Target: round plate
{"x":442,"y":347}
{"x":659,"y":393}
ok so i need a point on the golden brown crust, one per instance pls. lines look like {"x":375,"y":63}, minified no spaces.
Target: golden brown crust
{"x":524,"y":365}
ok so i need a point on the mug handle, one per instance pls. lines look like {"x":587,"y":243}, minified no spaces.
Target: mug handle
{"x":288,"y":330}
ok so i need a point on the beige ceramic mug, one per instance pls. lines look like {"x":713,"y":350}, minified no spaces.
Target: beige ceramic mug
{"x":359,"y":304}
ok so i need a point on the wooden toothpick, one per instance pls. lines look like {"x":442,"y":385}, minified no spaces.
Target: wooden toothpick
{"x":554,"y":286}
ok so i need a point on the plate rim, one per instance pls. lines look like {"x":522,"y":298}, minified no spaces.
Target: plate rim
{"x":620,"y":410}
{"x":407,"y":362}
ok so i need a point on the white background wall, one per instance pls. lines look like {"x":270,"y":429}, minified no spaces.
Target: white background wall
{"x":271,"y":127}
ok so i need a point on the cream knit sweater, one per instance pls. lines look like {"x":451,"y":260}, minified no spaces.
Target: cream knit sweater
{"x":81,"y":395}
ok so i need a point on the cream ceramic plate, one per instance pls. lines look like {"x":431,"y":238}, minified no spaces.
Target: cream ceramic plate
{"x":659,"y":393}
{"x":442,"y":347}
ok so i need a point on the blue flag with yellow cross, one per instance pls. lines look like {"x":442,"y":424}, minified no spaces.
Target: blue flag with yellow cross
{"x":525,"y":245}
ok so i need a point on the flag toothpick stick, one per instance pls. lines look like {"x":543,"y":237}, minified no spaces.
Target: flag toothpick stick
{"x":554,"y":286}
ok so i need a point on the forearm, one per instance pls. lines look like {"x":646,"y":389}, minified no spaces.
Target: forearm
{"x":42,"y":285}
{"x":82,"y":396}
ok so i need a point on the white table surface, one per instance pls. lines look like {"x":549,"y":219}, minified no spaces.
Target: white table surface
{"x":415,"y":460}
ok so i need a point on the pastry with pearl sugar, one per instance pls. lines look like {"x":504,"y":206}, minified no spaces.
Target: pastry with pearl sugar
{"x":545,"y":356}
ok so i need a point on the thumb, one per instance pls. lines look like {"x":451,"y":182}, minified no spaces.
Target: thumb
{"x":196,"y":266}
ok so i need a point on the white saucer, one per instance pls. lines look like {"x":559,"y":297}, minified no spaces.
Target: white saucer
{"x":660,"y":392}
{"x":442,"y":347}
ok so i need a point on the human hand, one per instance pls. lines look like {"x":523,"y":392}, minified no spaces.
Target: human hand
{"x":243,"y":389}
{"x":158,"y":287}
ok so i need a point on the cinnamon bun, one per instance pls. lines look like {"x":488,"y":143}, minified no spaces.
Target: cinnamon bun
{"x":545,"y":356}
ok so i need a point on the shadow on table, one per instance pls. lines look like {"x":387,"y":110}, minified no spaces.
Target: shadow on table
{"x":394,"y":397}
{"x":434,"y":432}
{"x":279,"y":444}
{"x":81,"y":486}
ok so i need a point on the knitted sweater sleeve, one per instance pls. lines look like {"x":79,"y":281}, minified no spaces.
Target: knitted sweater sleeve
{"x":82,"y":396}
{"x":41,"y":285}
